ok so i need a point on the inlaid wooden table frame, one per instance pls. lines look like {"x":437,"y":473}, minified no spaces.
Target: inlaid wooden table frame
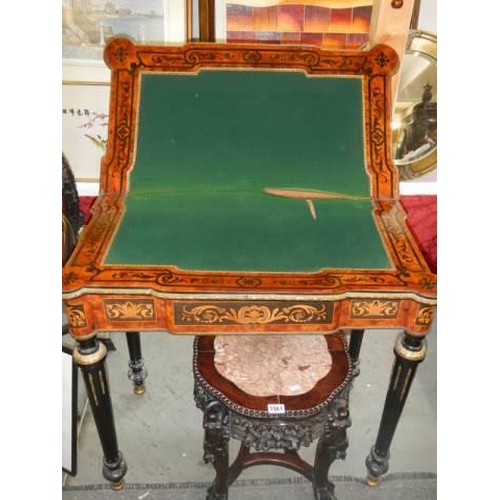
{"x":247,"y":189}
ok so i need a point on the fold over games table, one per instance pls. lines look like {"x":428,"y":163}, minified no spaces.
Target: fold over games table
{"x":247,"y":189}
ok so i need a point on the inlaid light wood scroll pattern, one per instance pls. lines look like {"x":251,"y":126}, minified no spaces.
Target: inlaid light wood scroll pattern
{"x":259,"y":313}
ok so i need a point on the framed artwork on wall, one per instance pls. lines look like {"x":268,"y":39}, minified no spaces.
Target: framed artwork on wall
{"x":333,"y":24}
{"x":85,"y":108}
{"x":87,"y":26}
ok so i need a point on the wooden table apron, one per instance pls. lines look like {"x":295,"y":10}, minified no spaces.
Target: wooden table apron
{"x":105,"y":289}
{"x":246,"y":313}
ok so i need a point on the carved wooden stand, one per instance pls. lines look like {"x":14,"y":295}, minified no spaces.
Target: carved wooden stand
{"x":323,"y":416}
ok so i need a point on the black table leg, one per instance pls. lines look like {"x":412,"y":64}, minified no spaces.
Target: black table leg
{"x":137,"y":372}
{"x":355,"y":340}
{"x":409,"y":352}
{"x":90,"y":355}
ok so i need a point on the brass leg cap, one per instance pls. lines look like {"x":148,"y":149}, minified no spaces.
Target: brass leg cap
{"x":118,"y":486}
{"x":371,"y":481}
{"x":140,"y":389}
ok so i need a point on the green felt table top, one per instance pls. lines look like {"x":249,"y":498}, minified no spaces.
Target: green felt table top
{"x":214,"y":153}
{"x":243,"y":129}
{"x":247,"y":232}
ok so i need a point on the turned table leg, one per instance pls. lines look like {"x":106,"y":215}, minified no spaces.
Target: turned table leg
{"x":409,"y":352}
{"x":355,"y":340}
{"x":137,"y":372}
{"x":90,"y":356}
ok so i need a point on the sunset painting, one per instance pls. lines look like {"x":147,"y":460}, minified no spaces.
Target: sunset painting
{"x":335,"y":24}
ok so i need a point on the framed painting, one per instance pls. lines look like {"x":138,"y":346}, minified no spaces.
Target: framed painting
{"x":85,"y":108}
{"x":333,"y":24}
{"x":87,"y":26}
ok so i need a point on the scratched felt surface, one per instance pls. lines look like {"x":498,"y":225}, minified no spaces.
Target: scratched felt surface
{"x":243,"y":129}
{"x":246,"y":231}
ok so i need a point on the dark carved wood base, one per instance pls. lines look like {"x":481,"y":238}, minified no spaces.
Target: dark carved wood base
{"x":213,"y":495}
{"x":266,"y":438}
{"x":216,"y":425}
{"x":325,"y":492}
{"x":286,"y":434}
{"x":332,"y":445}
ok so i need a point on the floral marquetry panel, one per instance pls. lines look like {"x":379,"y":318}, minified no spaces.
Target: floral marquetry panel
{"x":127,"y":309}
{"x":254,"y":314}
{"x":425,"y":315}
{"x":374,"y":308}
{"x":76,"y":316}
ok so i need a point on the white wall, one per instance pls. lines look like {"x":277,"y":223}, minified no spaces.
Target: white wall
{"x":427,"y":19}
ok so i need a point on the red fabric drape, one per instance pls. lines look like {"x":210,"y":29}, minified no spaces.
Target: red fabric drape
{"x":422,"y":220}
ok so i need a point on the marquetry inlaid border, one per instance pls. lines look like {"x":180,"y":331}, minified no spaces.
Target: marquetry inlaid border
{"x":425,"y":315}
{"x":76,"y":316}
{"x":254,"y":313}
{"x":129,"y":309}
{"x":374,"y":308}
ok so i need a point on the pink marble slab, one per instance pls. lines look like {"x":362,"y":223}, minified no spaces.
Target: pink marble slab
{"x":269,"y":365}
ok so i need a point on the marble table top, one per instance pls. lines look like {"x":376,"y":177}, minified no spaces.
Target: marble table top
{"x":268,"y":365}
